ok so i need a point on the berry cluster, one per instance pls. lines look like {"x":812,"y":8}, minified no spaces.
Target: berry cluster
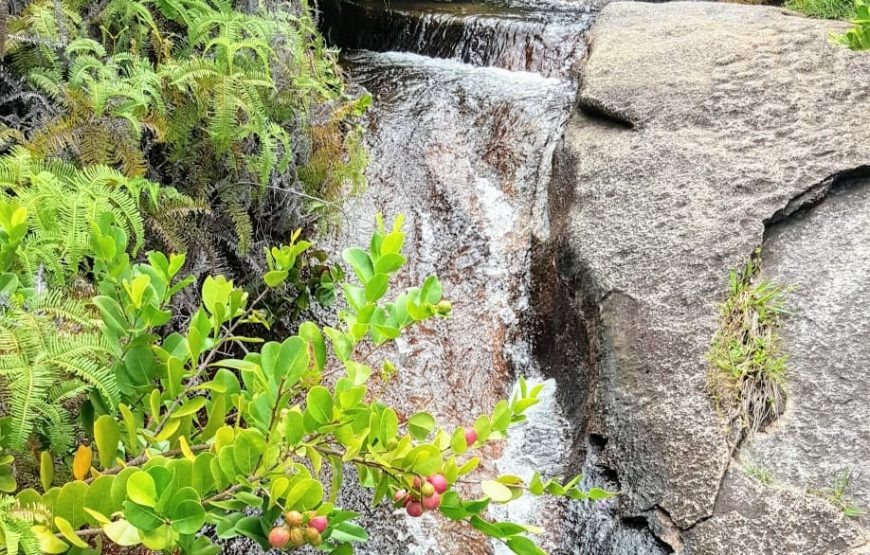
{"x":424,"y":496}
{"x":298,"y":530}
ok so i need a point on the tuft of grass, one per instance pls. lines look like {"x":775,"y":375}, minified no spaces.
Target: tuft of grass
{"x":747,"y":366}
{"x":759,"y":473}
{"x":837,"y":494}
{"x":824,"y":9}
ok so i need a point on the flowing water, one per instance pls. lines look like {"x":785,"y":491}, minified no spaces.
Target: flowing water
{"x":470,"y":102}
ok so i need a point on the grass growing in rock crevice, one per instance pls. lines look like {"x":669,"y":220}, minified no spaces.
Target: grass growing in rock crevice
{"x":838,"y":494}
{"x":747,"y":366}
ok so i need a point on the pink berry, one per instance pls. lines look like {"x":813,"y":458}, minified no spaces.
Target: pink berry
{"x":417,"y":483}
{"x":432,"y":503}
{"x":439,"y":482}
{"x":279,"y":537}
{"x":401,"y":497}
{"x":470,"y":436}
{"x":414,"y":508}
{"x":318,"y":522}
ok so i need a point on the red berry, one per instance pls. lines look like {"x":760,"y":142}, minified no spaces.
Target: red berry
{"x":318,"y":522}
{"x":432,"y":503}
{"x":470,"y":436}
{"x":439,"y":482}
{"x":417,"y":483}
{"x":279,"y":537}
{"x":414,"y":508}
{"x":402,"y":497}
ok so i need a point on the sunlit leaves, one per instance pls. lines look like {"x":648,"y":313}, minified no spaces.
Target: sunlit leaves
{"x":234,"y":440}
{"x":107,"y":434}
{"x":141,"y":489}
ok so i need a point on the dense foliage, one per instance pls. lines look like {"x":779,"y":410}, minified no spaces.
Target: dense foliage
{"x":858,"y":38}
{"x":146,"y":397}
{"x":823,"y":9}
{"x":245,"y":113}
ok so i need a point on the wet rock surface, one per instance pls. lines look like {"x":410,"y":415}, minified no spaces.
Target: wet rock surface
{"x":698,"y":124}
{"x":545,"y":37}
{"x":465,"y":153}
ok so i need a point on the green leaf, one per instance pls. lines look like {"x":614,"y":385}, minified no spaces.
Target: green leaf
{"x":7,"y":480}
{"x":191,"y":406}
{"x":497,"y":491}
{"x":46,"y":470}
{"x":187,"y":517}
{"x":457,"y":442}
{"x":524,"y":546}
{"x":342,"y":343}
{"x":337,"y":476}
{"x":275,"y":278}
{"x":432,"y":291}
{"x":248,"y":450}
{"x":305,"y":494}
{"x":451,"y":506}
{"x":311,"y":334}
{"x":483,"y":428}
{"x":421,"y":425}
{"x":215,"y":292}
{"x":389,"y":263}
{"x":143,"y":518}
{"x":501,"y":416}
{"x":99,"y":497}
{"x":142,"y":490}
{"x":597,"y":494}
{"x":107,"y":434}
{"x":360,"y":262}
{"x":348,"y":532}
{"x":319,"y":404}
{"x":424,"y":460}
{"x":70,"y":503}
{"x":377,"y":287}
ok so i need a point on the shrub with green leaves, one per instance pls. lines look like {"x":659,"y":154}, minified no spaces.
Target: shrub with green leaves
{"x":212,"y":425}
{"x":244,"y":111}
{"x":858,"y":38}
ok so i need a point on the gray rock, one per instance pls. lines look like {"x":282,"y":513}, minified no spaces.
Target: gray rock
{"x":825,"y":253}
{"x":698,"y":124}
{"x":752,"y":519}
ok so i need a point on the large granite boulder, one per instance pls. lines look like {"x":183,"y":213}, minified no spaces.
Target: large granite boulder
{"x":699,"y":126}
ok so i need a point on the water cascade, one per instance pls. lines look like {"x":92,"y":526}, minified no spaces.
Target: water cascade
{"x":470,"y":102}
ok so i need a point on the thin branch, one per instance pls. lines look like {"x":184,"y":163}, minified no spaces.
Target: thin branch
{"x":214,"y":351}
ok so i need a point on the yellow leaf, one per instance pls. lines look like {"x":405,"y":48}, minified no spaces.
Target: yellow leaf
{"x":48,"y":542}
{"x":66,"y":529}
{"x":185,"y":449}
{"x":170,"y":428}
{"x":122,"y":533}
{"x":82,"y":462}
{"x":496,"y":491}
{"x":99,"y":517}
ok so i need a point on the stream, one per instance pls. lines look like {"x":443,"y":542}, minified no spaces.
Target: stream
{"x":470,"y":103}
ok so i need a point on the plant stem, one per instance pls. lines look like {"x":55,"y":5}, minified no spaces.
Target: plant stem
{"x":211,"y":354}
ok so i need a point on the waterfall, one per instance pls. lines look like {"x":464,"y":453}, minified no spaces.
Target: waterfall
{"x":470,"y":103}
